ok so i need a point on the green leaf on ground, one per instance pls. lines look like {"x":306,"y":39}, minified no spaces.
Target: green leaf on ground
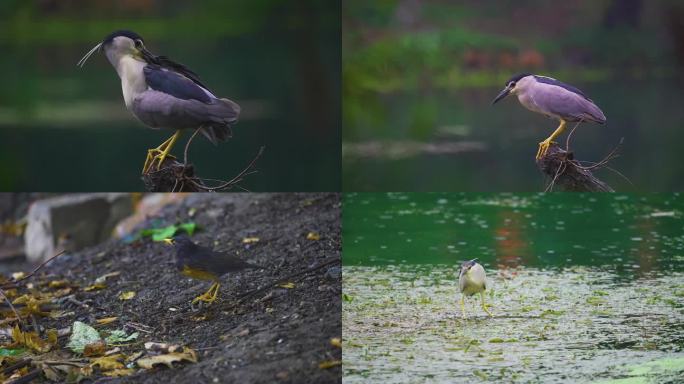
{"x":159,"y":234}
{"x":11,"y":351}
{"x":119,"y":336}
{"x":81,"y":335}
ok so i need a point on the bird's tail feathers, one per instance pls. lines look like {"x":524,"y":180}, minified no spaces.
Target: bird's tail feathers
{"x":224,"y":113}
{"x":217,"y":133}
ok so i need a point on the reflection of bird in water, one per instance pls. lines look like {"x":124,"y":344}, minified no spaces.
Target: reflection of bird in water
{"x":203,"y":263}
{"x":472,"y":280}
{"x":165,"y":94}
{"x":554,"y":99}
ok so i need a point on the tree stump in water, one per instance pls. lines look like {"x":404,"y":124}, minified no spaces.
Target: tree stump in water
{"x":567,"y":173}
{"x":173,"y":176}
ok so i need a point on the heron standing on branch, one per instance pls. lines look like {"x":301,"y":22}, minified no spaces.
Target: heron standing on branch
{"x":554,"y":99}
{"x":165,"y":94}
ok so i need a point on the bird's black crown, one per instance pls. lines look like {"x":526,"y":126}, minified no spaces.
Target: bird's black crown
{"x":130,"y":34}
{"x":517,"y":77}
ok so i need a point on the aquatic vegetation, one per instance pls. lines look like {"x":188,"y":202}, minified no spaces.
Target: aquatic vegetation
{"x":599,"y":326}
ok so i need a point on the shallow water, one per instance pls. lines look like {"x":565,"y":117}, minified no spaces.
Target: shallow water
{"x":403,"y":324}
{"x":583,"y":287}
{"x":435,"y":140}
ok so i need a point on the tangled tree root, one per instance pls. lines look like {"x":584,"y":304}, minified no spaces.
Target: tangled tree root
{"x":568,"y":174}
{"x":174,"y":176}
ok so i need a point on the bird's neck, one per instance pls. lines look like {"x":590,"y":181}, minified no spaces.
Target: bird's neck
{"x":133,"y":83}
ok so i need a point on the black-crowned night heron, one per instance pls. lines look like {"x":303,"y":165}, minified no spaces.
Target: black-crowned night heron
{"x":472,"y":280}
{"x":554,"y":99}
{"x":165,"y":94}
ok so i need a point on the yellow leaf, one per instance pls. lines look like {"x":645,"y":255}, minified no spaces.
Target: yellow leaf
{"x":94,"y":349}
{"x":52,"y":336}
{"x":106,"y":320}
{"x":249,"y":240}
{"x":103,"y":278}
{"x":287,"y":285}
{"x":95,"y":287}
{"x":168,"y":359}
{"x":107,"y":363}
{"x":336,"y":342}
{"x":18,"y":275}
{"x":58,"y":284}
{"x":127,"y":295}
{"x":329,"y":364}
{"x":30,"y":340}
{"x":313,"y":236}
{"x":119,"y":372}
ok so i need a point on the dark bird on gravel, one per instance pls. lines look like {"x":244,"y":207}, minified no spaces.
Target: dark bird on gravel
{"x":165,"y":94}
{"x":203,"y":263}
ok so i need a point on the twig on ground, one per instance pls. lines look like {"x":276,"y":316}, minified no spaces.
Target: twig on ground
{"x":41,"y":265}
{"x":12,"y":307}
{"x":316,"y":267}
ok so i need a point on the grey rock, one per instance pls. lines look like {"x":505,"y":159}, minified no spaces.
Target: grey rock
{"x":72,"y":222}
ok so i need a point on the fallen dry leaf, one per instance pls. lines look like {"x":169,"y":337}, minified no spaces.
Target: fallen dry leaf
{"x":288,"y":285}
{"x":94,"y":349}
{"x":336,"y":342}
{"x":30,"y":340}
{"x":313,"y":236}
{"x":103,"y":278}
{"x":329,"y":364}
{"x":127,"y":295}
{"x":106,"y":320}
{"x":162,"y":347}
{"x":134,"y":356}
{"x":95,"y":287}
{"x":107,"y":363}
{"x":18,"y":275}
{"x":249,"y":240}
{"x":58,"y":284}
{"x":168,"y":359}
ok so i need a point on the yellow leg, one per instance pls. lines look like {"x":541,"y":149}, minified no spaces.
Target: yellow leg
{"x":484,"y":306}
{"x":209,"y":296}
{"x":544,"y":145}
{"x":160,"y":153}
{"x":463,"y":306}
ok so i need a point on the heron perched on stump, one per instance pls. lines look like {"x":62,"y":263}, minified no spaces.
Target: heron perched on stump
{"x":554,"y":99}
{"x":472,"y":280}
{"x":165,"y":94}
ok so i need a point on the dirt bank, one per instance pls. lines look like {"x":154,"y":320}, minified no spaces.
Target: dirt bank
{"x":278,"y":335}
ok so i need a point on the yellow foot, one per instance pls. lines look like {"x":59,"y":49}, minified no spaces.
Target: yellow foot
{"x":487,"y":310}
{"x":160,"y":153}
{"x":209,"y":296}
{"x":463,"y":307}
{"x":543,"y":148}
{"x":484,"y":306}
{"x":155,"y":154}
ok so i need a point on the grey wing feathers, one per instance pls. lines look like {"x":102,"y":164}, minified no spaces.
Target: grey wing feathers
{"x":174,"y":84}
{"x":552,"y":81}
{"x":178,"y":67}
{"x":570,"y":106}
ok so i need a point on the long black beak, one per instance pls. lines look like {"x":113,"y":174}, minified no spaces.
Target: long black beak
{"x":501,"y":95}
{"x":147,"y":55}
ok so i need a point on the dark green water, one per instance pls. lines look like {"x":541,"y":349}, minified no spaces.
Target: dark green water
{"x":634,"y":233}
{"x":437,"y":140}
{"x":583,"y":288}
{"x":64,"y":128}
